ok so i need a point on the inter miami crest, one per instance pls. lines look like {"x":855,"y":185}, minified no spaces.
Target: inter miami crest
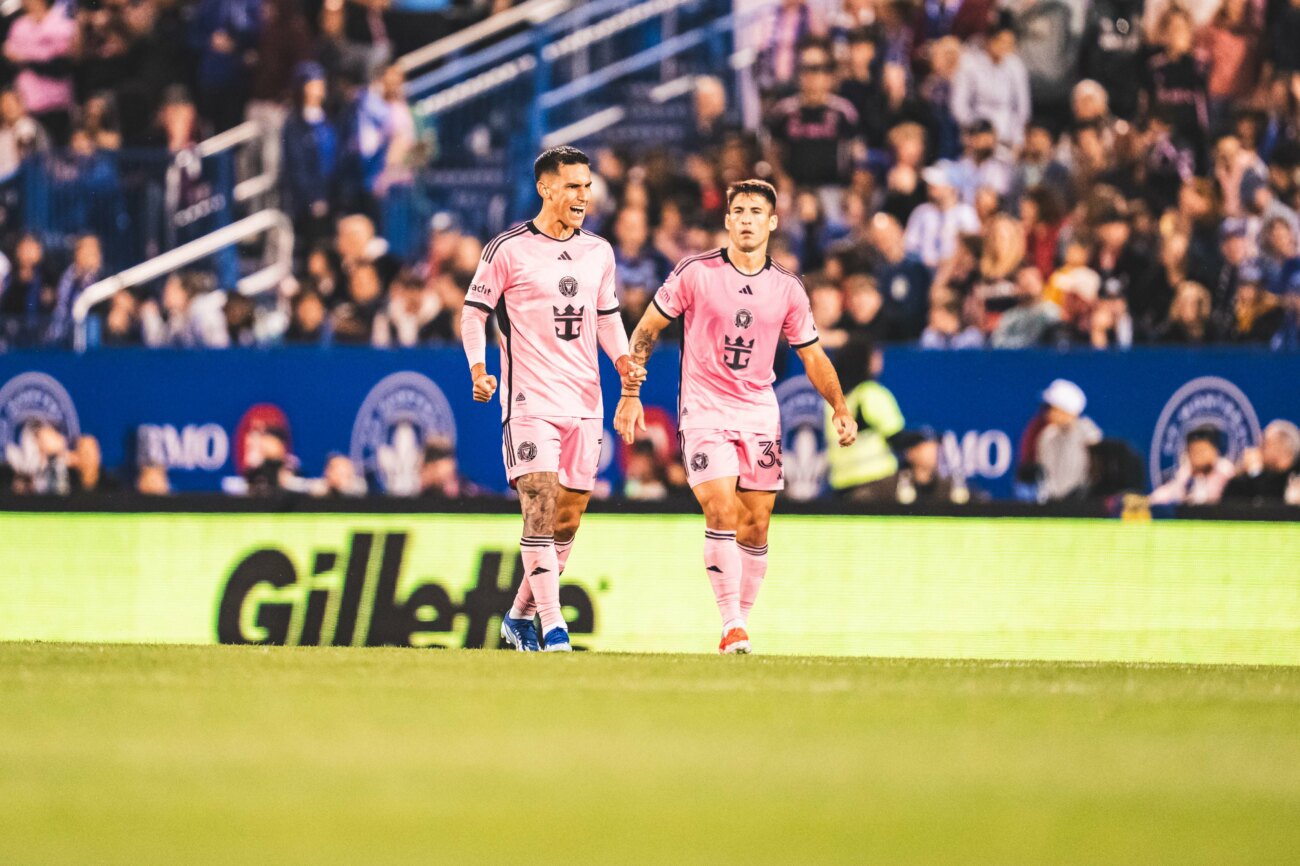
{"x":744,"y":318}
{"x":699,"y":461}
{"x":526,"y":451}
{"x":568,"y":287}
{"x":735,"y":353}
{"x":568,"y":322}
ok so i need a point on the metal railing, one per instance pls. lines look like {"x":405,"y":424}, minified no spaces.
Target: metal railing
{"x":268,"y":221}
{"x":533,"y":12}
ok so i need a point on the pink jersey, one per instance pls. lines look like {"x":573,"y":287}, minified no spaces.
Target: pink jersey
{"x":731,"y":326}
{"x":547,"y":295}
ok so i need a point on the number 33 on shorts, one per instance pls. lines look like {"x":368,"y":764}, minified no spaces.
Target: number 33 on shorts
{"x":753,"y":458}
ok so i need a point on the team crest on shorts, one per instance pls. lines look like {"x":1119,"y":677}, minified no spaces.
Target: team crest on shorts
{"x":568,"y":286}
{"x":402,"y":412}
{"x":526,"y":451}
{"x":1207,"y":401}
{"x":699,"y":461}
{"x":744,"y":318}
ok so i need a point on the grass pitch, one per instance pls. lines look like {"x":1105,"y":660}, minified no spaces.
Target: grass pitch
{"x":117,"y":754}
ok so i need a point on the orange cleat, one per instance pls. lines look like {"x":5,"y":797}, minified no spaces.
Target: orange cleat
{"x":735,"y":642}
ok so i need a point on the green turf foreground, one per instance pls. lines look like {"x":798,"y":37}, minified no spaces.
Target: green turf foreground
{"x":122,"y":754}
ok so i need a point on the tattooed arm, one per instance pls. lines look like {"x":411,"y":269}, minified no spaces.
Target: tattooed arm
{"x":630,"y":415}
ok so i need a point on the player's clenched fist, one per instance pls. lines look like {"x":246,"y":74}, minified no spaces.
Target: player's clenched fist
{"x":845,"y":426}
{"x":628,"y":418}
{"x":485,"y":385}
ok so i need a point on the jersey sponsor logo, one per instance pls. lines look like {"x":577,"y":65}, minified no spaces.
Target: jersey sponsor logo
{"x":735,"y":353}
{"x":699,"y":461}
{"x":564,"y":257}
{"x":744,"y":318}
{"x":568,"y":322}
{"x":401,"y":412}
{"x":747,"y":291}
{"x":568,"y":287}
{"x":478,"y":289}
{"x":526,"y":451}
{"x":25,"y":400}
{"x":1207,"y":401}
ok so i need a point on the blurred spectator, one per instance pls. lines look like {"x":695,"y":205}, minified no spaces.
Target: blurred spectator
{"x":20,"y":134}
{"x":224,"y":35}
{"x":1258,"y":314}
{"x":86,"y":269}
{"x":902,"y":276}
{"x":1049,"y":47}
{"x":411,"y":316}
{"x":340,"y":480}
{"x":814,"y":134}
{"x":269,"y":467}
{"x":638,"y":265}
{"x":1039,"y":175}
{"x":1054,"y":460}
{"x":357,"y":321}
{"x":992,"y":84}
{"x":827,"y":302}
{"x":40,"y":460}
{"x":1042,"y":214}
{"x":86,"y":468}
{"x":862,"y":87}
{"x":865,"y":318}
{"x":712,"y":127}
{"x":310,"y":155}
{"x":1176,"y":83}
{"x":1190,"y":322}
{"x":1203,"y":472}
{"x":1113,"y":52}
{"x":791,"y":23}
{"x":440,"y":476}
{"x":879,"y":419}
{"x":946,"y":330}
{"x":189,"y":316}
{"x":904,"y":189}
{"x":382,"y":139}
{"x":645,"y":478}
{"x":40,"y":46}
{"x":152,"y":480}
{"x":918,"y":478}
{"x":1113,"y":469}
{"x":981,"y":168}
{"x":122,"y":325}
{"x":1269,"y":474}
{"x":284,"y":41}
{"x":28,"y":294}
{"x":309,"y":324}
{"x":1032,"y":320}
{"x":934,"y":227}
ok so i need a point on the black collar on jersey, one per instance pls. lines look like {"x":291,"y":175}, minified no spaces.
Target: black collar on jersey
{"x":767,"y":263}
{"x":535,"y":230}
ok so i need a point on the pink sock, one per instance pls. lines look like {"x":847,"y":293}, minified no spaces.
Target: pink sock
{"x":753,"y":567}
{"x":525,"y":607}
{"x":722,"y":563}
{"x":542,"y":575}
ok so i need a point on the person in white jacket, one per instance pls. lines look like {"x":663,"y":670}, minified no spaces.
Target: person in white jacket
{"x":992,"y":83}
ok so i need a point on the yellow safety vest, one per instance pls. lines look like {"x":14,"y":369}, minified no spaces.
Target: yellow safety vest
{"x":870,"y":458}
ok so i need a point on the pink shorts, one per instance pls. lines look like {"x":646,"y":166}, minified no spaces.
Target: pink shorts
{"x":568,"y":446}
{"x":753,"y":458}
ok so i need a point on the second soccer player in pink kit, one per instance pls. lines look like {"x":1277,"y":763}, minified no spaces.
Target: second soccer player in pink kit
{"x":736,"y":304}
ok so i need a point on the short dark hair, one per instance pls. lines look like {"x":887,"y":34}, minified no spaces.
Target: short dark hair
{"x":1206,"y":433}
{"x":550,"y":160}
{"x":752,"y":187}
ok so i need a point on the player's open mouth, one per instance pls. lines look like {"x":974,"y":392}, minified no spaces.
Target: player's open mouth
{"x":578,"y":211}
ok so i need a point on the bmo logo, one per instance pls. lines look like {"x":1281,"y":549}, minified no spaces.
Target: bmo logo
{"x":193,"y":446}
{"x":976,"y":453}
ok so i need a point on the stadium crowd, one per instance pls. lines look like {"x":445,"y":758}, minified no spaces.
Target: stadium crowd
{"x":953,"y":174}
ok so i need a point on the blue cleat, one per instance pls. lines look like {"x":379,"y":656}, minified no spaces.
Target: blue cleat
{"x":557,"y":641}
{"x":520,"y":634}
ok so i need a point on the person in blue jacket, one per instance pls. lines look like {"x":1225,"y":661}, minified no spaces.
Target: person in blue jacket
{"x":310,"y":167}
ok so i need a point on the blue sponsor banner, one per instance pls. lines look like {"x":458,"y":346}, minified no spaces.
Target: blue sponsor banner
{"x":194,"y":410}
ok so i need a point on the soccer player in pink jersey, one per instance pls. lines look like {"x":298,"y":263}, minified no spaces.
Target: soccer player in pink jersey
{"x":736,"y":304}
{"x":551,"y":286}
